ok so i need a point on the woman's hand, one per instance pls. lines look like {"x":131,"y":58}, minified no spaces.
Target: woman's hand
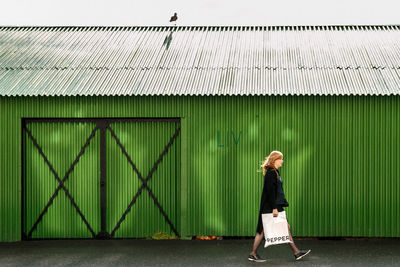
{"x":275,"y":212}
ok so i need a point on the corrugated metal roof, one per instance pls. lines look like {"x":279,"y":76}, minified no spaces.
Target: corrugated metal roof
{"x":299,"y":60}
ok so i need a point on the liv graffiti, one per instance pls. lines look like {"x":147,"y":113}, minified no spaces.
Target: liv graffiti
{"x":221,"y":138}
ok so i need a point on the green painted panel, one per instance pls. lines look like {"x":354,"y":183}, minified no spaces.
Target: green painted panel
{"x":144,"y":142}
{"x":341,"y":171}
{"x":61,"y":144}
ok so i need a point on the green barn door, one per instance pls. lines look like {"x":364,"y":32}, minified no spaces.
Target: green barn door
{"x":61,"y":196}
{"x":143,"y":174}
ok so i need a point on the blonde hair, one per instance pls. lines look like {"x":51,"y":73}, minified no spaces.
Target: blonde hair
{"x":270,"y":160}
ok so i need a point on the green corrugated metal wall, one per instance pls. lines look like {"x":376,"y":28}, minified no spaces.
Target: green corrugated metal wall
{"x":341,"y":172}
{"x":144,"y":142}
{"x":61,"y":143}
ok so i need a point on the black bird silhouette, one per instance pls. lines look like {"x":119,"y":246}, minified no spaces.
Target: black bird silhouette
{"x":173,"y":18}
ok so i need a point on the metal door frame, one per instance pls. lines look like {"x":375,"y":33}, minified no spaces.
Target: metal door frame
{"x":102,"y":124}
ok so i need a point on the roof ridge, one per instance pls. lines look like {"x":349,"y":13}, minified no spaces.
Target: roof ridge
{"x":219,"y":27}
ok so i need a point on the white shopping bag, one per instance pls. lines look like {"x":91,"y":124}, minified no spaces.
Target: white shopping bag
{"x":275,"y":229}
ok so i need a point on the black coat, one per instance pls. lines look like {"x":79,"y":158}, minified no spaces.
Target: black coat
{"x":268,"y":197}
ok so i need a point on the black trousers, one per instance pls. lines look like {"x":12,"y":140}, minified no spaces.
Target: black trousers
{"x":260,"y":225}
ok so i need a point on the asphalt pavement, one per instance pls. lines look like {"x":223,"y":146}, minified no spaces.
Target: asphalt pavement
{"x":232,"y":252}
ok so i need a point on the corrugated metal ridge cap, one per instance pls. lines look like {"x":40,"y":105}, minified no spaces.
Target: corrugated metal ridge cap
{"x":209,"y":27}
{"x":301,"y":94}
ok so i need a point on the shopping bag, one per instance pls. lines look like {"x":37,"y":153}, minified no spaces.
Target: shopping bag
{"x":275,"y":229}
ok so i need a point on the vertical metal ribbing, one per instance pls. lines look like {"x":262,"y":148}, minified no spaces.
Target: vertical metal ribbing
{"x":60,"y":181}
{"x":103,"y":212}
{"x":23,"y":234}
{"x":144,"y":181}
{"x":101,"y":184}
{"x":103,"y":178}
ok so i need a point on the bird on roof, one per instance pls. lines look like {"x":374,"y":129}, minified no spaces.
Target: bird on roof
{"x":174,"y":18}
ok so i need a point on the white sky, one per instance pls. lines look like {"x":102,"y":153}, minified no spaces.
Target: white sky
{"x":201,"y":12}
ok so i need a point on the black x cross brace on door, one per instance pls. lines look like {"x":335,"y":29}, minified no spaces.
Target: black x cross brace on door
{"x":101,"y":125}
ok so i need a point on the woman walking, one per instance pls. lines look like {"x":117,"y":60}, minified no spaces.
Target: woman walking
{"x":272,"y":201}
